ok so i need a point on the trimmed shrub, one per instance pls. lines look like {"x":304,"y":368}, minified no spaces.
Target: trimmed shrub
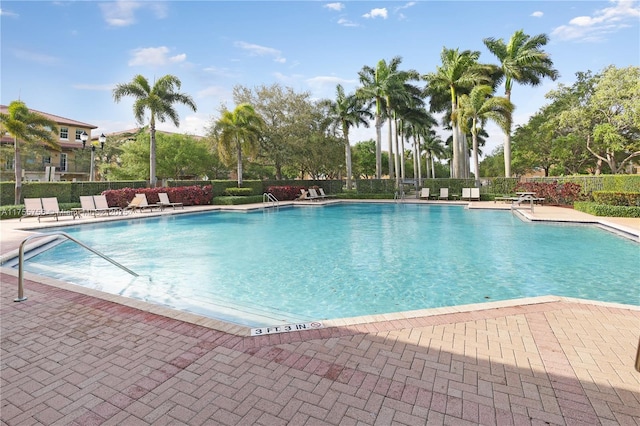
{"x":553,"y":193}
{"x":239,"y":192}
{"x":233,"y":201}
{"x":187,"y":195}
{"x":606,"y":210}
{"x":614,"y":198}
{"x":285,"y":193}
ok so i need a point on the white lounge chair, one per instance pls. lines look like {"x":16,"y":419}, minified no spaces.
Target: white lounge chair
{"x":466,"y":194}
{"x":424,"y":193}
{"x":164,"y":201}
{"x":323,"y":195}
{"x":88,"y":205}
{"x":102,"y":205}
{"x":51,"y":208}
{"x":140,"y":202}
{"x":475,"y":194}
{"x":32,"y":208}
{"x":313,"y":195}
{"x":444,"y":194}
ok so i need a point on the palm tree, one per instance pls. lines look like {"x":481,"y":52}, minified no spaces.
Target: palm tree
{"x":348,"y":111}
{"x":26,"y":126}
{"x":458,"y":73}
{"x":159,"y":100}
{"x":523,"y":61}
{"x":433,"y":146}
{"x":237,"y":131}
{"x":377,"y":85}
{"x":480,"y":106}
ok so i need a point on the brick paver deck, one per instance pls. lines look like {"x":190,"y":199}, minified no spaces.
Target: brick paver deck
{"x":68,"y":358}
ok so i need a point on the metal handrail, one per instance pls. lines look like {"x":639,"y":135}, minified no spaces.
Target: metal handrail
{"x":21,"y":297}
{"x":269,"y":197}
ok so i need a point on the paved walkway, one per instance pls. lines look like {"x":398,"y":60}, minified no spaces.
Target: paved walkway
{"x":70,"y":358}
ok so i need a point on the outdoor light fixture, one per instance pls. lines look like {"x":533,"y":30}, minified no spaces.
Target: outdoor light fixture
{"x":84,"y":137}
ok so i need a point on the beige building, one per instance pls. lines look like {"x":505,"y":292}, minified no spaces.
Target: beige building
{"x":41,"y":163}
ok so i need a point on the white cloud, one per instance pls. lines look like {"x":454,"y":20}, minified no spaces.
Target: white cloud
{"x":376,"y":13}
{"x":347,"y":23}
{"x":154,"y":56}
{"x":39,"y":58}
{"x":622,"y":14}
{"x":537,"y":14}
{"x":257,"y":50}
{"x":334,"y":6}
{"x":95,"y":87}
{"x":121,"y":13}
{"x":4,"y":12}
{"x":406,"y":5}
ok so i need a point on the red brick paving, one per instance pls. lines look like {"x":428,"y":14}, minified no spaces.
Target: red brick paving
{"x":72,"y":359}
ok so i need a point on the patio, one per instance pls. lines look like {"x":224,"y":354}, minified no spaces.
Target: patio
{"x":73,"y":358}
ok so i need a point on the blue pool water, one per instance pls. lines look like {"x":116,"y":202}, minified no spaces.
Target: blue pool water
{"x":312,"y":263}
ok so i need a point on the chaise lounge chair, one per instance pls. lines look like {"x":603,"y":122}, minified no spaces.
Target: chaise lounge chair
{"x":51,"y":208}
{"x":323,"y":195}
{"x":475,"y":194}
{"x":32,"y":208}
{"x":466,"y":194}
{"x":164,"y":201}
{"x":424,"y":193}
{"x":88,"y":205}
{"x":102,"y":205}
{"x":444,"y":194}
{"x":140,"y":202}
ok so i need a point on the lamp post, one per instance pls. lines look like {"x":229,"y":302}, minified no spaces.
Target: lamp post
{"x":102,"y":139}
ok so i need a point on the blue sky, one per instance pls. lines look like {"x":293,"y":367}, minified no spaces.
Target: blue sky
{"x":65,"y":57}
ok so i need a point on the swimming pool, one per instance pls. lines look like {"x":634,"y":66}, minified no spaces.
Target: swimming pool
{"x":301,"y":264}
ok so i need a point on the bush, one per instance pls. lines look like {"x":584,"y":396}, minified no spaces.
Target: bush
{"x":614,"y":198}
{"x":553,"y":193}
{"x":606,"y":210}
{"x":285,"y":193}
{"x":238,"y":191}
{"x":233,"y":201}
{"x":187,"y":195}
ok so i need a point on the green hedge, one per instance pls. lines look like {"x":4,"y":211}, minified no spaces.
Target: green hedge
{"x":234,"y":201}
{"x":239,"y":192}
{"x":606,"y":210}
{"x":614,"y":198}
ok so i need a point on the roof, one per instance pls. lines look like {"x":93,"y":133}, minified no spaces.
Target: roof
{"x":59,"y":120}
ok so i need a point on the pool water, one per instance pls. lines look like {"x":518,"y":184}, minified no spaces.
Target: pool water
{"x":299,"y":264}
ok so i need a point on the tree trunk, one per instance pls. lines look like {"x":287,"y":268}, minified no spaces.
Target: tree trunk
{"x":392,"y":171}
{"x":239,"y":151}
{"x":507,"y":143}
{"x":378,"y":146}
{"x":17,"y":168}
{"x":347,"y":154}
{"x":476,"y":164}
{"x":152,"y":152}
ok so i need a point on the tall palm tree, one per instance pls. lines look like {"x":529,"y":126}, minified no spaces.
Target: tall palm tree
{"x":238,"y":131}
{"x":480,"y":106}
{"x":523,"y":61}
{"x":348,"y":111}
{"x":26,"y":126}
{"x":377,"y":85}
{"x":458,"y":73}
{"x":159,"y":100}
{"x":433,"y":146}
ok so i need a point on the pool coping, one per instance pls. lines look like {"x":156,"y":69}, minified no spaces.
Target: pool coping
{"x":542,"y":215}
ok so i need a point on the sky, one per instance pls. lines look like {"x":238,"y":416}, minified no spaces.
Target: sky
{"x":66,"y":57}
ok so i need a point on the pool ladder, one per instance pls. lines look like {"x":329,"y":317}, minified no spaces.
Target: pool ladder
{"x":268,"y":197}
{"x":21,"y":297}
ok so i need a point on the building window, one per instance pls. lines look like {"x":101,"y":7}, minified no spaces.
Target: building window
{"x":46,"y":159}
{"x":63,"y":162}
{"x":64,"y":133}
{"x":8,"y":165}
{"x":78,"y":133}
